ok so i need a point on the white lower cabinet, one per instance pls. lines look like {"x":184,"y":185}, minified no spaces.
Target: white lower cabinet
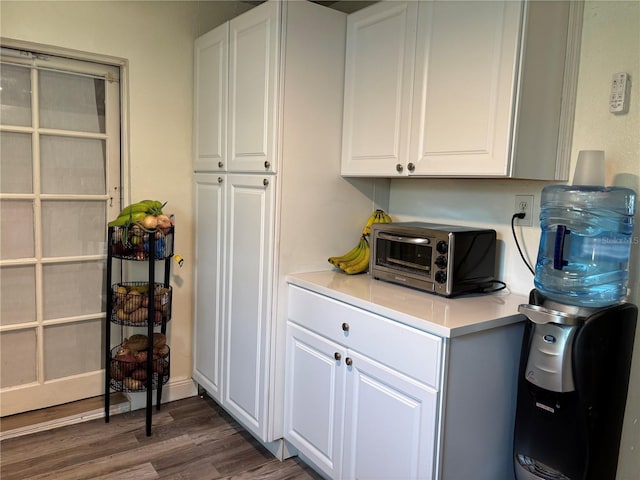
{"x":390,"y":422}
{"x":368,"y":397}
{"x":354,"y":405}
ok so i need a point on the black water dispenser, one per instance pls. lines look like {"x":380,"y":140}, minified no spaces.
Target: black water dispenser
{"x":578,"y":340}
{"x":574,"y":375}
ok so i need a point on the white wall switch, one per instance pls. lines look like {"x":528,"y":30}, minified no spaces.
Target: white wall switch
{"x":619,"y":98}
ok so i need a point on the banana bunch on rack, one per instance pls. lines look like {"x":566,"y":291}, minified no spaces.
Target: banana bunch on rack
{"x":136,"y":212}
{"x":356,"y":260}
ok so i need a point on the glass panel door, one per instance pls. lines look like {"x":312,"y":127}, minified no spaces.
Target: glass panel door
{"x":60,"y":171}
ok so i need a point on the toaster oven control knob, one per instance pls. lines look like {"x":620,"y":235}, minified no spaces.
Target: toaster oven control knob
{"x":441,"y":277}
{"x":441,"y":261}
{"x":442,"y":247}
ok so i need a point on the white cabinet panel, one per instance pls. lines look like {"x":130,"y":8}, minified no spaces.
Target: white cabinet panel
{"x":210,"y":192}
{"x":379,"y":63}
{"x":253,"y":61}
{"x":390,"y":423}
{"x":466,"y":60}
{"x":315,"y":397}
{"x":210,"y":107}
{"x":248,"y":290}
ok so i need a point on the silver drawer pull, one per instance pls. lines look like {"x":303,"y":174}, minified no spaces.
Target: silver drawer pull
{"x":345,"y":327}
{"x":348,"y":361}
{"x":337,"y":356}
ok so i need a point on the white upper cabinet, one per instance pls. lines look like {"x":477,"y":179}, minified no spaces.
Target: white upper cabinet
{"x":236,"y":68}
{"x":253,"y":63}
{"x":464,"y":82}
{"x":210,"y":108}
{"x":378,"y":78}
{"x":473,"y":89}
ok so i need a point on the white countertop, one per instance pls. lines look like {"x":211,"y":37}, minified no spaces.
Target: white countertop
{"x":446,"y":317}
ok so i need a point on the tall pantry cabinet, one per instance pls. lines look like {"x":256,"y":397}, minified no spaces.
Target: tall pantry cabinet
{"x":269,"y":198}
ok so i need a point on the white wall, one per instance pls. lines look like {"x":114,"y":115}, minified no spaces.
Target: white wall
{"x":610,"y":44}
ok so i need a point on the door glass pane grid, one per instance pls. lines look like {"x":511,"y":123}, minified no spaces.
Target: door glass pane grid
{"x":15,"y":96}
{"x":71,"y":102}
{"x":53,"y":191}
{"x":16,"y":164}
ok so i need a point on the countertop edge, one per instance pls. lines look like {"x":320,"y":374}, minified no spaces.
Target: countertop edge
{"x":436,"y":328}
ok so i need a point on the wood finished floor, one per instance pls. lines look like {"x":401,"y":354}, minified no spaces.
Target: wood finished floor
{"x":192,"y":439}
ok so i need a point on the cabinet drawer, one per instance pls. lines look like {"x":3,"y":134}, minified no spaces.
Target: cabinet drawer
{"x":408,"y":350}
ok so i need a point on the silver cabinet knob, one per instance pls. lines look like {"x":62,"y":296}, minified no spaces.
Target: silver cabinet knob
{"x":265,"y":182}
{"x":411,"y":167}
{"x":267,"y":164}
{"x":345,"y":327}
{"x":399,"y":168}
{"x":348,"y":361}
{"x":220,"y":180}
{"x":337,"y":356}
{"x":220,"y":164}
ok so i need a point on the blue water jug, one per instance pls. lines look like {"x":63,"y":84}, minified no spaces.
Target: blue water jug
{"x":583,"y":257}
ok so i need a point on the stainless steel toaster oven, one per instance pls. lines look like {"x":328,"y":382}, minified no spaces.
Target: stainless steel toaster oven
{"x":443,"y":259}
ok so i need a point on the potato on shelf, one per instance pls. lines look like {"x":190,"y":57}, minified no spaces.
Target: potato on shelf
{"x":128,"y":367}
{"x":131,"y":303}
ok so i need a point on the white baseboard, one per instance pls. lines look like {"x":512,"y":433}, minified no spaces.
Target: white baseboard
{"x":173,"y":390}
{"x":64,"y":421}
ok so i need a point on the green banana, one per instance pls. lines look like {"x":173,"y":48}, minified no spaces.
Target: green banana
{"x":133,"y":208}
{"x":128,"y":218}
{"x":154,"y":207}
{"x":137,"y":211}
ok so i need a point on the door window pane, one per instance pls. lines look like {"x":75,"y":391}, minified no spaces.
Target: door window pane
{"x":16,"y":229}
{"x":72,"y":228}
{"x":18,"y":357}
{"x":16,"y":166}
{"x":18,"y":294}
{"x":71,"y":289}
{"x":72,"y":349}
{"x":72,"y":165}
{"x":15,"y":96}
{"x":71,"y":102}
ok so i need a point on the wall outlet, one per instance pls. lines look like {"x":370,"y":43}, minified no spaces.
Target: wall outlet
{"x":524,"y":204}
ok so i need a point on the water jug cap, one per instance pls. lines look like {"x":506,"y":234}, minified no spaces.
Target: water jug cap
{"x":589,"y":168}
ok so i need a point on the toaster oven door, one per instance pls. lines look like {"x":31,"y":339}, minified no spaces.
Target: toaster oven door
{"x":404,"y":254}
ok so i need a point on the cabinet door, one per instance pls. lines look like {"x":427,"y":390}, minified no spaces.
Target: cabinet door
{"x":210,"y":105}
{"x":253,"y":77}
{"x":464,"y":87}
{"x":249,"y":244}
{"x":209,"y":191}
{"x":378,"y":76}
{"x":390,"y":423}
{"x":314,"y":398}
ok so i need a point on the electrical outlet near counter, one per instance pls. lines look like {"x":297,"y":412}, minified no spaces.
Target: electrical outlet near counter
{"x":524,"y":204}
